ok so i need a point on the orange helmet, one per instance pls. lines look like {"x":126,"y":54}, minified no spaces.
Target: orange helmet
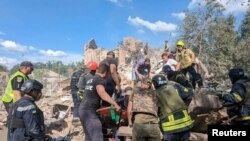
{"x":92,"y":65}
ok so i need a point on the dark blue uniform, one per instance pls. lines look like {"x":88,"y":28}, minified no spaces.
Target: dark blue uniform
{"x":26,"y":121}
{"x":73,"y":85}
{"x":240,"y":98}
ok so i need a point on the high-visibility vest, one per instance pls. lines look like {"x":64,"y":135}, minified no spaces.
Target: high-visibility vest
{"x":174,"y":116}
{"x":9,"y":95}
{"x":174,"y":124}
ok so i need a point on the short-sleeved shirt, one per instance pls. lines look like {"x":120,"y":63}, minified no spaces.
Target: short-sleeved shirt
{"x":17,"y":82}
{"x":171,"y":62}
{"x":142,"y":68}
{"x":109,"y":78}
{"x":92,"y":99}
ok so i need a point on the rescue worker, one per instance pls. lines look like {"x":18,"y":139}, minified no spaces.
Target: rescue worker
{"x":73,"y":85}
{"x":167,"y":61}
{"x":175,"y":121}
{"x":142,"y":112}
{"x":142,"y":69}
{"x":12,"y":91}
{"x":94,"y":93}
{"x":112,"y":78}
{"x":176,"y":76}
{"x":127,"y":93}
{"x":186,"y":62}
{"x":92,"y":66}
{"x":239,"y":95}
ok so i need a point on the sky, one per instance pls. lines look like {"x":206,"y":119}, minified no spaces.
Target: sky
{"x":42,"y":30}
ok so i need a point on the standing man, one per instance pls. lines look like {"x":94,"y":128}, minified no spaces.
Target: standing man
{"x":186,"y":62}
{"x":175,"y":121}
{"x":239,"y":96}
{"x":92,"y":66}
{"x":12,"y":92}
{"x":73,"y":85}
{"x":112,"y":78}
{"x":94,"y":93}
{"x":142,"y":108}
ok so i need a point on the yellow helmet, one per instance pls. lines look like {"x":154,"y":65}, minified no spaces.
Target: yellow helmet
{"x":180,"y":43}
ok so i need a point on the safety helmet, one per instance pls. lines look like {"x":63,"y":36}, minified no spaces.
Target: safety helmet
{"x":159,"y":80}
{"x":166,"y":69}
{"x":236,"y":74}
{"x":31,"y":85}
{"x":180,"y":43}
{"x":92,"y":65}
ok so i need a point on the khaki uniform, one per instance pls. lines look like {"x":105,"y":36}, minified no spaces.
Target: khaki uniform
{"x":144,"y":113}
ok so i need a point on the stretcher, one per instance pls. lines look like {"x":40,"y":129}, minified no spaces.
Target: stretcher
{"x":111,"y":121}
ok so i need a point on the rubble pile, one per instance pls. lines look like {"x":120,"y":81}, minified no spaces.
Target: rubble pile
{"x":57,"y":103}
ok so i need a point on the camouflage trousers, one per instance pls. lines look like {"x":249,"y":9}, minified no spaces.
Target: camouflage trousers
{"x":146,"y":132}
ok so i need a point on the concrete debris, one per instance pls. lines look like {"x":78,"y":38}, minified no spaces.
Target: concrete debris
{"x":198,"y":137}
{"x":3,"y":81}
{"x":57,"y":104}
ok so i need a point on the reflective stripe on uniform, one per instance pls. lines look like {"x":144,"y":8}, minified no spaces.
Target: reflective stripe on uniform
{"x":238,"y":97}
{"x":26,"y":108}
{"x":243,"y":118}
{"x":172,"y":124}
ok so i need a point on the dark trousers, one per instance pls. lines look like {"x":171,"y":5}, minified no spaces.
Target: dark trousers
{"x":92,"y":125}
{"x":180,"y":136}
{"x":193,"y":73}
{"x":7,"y":105}
{"x":76,"y":101}
{"x":146,"y":132}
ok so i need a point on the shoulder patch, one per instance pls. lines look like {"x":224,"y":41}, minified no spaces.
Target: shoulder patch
{"x":33,"y":111}
{"x":19,"y":79}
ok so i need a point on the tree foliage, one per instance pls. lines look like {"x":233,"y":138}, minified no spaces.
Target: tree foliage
{"x":56,"y":66}
{"x":214,"y":39}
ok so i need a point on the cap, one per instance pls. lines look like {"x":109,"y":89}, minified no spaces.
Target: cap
{"x":111,"y":53}
{"x":26,"y":64}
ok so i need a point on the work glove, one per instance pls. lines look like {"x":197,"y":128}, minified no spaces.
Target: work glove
{"x":80,"y":95}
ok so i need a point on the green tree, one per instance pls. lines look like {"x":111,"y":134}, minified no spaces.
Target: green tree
{"x":211,"y":35}
{"x":245,"y":26}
